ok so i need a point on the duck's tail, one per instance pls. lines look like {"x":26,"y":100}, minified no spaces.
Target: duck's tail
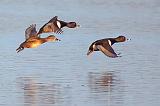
{"x":19,"y":49}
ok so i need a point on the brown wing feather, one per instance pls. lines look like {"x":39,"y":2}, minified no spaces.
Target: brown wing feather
{"x":107,"y":50}
{"x":50,"y":26}
{"x":31,"y":31}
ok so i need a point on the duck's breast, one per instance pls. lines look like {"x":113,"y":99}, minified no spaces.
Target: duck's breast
{"x":32,"y":44}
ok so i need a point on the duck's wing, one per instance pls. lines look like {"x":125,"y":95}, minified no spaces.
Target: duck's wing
{"x":107,"y":50}
{"x":51,"y":26}
{"x":31,"y":31}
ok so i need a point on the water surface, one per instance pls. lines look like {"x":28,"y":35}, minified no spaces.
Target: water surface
{"x":60,"y":73}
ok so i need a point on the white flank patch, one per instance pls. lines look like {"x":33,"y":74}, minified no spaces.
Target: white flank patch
{"x":109,"y":42}
{"x":58,"y":24}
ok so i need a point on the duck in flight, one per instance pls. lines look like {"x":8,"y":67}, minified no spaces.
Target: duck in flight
{"x":105,"y":46}
{"x":33,"y":40}
{"x":55,"y":25}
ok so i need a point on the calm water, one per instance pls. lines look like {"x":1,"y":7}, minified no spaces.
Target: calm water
{"x":60,"y":73}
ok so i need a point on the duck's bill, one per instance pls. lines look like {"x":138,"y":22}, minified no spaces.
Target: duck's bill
{"x":89,"y":52}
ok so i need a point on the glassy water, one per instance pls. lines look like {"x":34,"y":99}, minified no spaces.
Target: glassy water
{"x":60,"y":73}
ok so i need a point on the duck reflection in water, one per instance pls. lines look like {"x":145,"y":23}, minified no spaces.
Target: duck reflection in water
{"x":36,"y":94}
{"x":100,"y":82}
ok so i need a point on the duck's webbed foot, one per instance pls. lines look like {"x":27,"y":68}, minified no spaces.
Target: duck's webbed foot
{"x":119,"y":55}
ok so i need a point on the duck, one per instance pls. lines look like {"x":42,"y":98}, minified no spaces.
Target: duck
{"x":33,"y":40}
{"x":105,"y":46}
{"x":55,"y":25}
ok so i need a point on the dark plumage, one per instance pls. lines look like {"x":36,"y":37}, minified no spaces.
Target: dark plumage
{"x":55,"y":25}
{"x":104,"y":45}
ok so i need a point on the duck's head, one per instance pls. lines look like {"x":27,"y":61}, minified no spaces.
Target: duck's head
{"x":120,"y":39}
{"x":52,"y":38}
{"x":72,"y":25}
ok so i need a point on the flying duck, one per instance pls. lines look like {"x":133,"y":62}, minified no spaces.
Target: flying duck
{"x":55,"y":25}
{"x":33,"y":40}
{"x":105,"y":46}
